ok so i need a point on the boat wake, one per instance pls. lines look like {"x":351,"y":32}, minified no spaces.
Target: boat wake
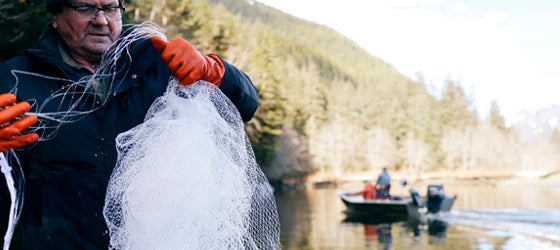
{"x":523,"y":229}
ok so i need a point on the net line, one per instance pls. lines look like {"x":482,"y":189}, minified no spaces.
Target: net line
{"x":75,"y":99}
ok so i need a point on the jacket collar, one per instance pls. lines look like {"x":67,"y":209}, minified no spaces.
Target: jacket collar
{"x":47,"y":49}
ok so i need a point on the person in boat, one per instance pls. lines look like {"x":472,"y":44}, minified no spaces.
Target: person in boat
{"x":369,"y":191}
{"x":383,"y":184}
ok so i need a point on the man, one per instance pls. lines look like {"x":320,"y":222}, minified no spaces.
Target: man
{"x":383,"y":184}
{"x":66,"y":176}
{"x":368,"y":192}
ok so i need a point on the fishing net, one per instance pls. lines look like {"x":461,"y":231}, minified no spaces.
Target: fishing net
{"x":187,"y":179}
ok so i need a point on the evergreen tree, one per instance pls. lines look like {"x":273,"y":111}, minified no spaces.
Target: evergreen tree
{"x":456,"y":109}
{"x":496,"y":118}
{"x":21,"y":22}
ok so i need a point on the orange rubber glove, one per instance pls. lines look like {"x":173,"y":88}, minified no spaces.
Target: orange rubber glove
{"x":187,"y":64}
{"x":10,"y":127}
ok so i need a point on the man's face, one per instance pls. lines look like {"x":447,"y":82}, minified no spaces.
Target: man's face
{"x":87,"y":36}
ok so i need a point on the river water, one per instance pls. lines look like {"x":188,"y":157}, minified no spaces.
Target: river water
{"x":484,"y":216}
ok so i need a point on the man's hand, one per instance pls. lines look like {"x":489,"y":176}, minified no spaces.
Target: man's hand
{"x":10,"y":127}
{"x":187,"y":64}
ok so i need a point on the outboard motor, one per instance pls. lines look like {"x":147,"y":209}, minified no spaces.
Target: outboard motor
{"x":435,"y":198}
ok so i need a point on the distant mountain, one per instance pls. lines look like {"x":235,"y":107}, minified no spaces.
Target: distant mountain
{"x":537,"y":125}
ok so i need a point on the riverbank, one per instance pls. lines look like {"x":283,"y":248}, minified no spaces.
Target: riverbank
{"x":493,"y":177}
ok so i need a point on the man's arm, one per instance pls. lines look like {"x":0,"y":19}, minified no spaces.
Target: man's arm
{"x":240,"y":89}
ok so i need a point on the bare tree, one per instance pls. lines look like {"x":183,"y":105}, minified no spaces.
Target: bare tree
{"x":380,"y":150}
{"x":416,"y":154}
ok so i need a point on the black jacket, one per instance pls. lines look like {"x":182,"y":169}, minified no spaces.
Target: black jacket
{"x":66,"y":177}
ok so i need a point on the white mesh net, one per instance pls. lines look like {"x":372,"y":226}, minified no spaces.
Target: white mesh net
{"x":187,"y":179}
{"x":15,"y":181}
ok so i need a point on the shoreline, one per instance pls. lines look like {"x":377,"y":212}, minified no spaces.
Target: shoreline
{"x":471,"y":177}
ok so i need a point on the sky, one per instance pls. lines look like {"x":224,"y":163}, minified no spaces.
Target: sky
{"x":502,"y":50}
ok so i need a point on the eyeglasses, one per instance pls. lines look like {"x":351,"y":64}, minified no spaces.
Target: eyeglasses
{"x":89,"y":12}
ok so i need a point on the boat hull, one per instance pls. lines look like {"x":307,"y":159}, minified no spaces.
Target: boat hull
{"x":397,"y":207}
